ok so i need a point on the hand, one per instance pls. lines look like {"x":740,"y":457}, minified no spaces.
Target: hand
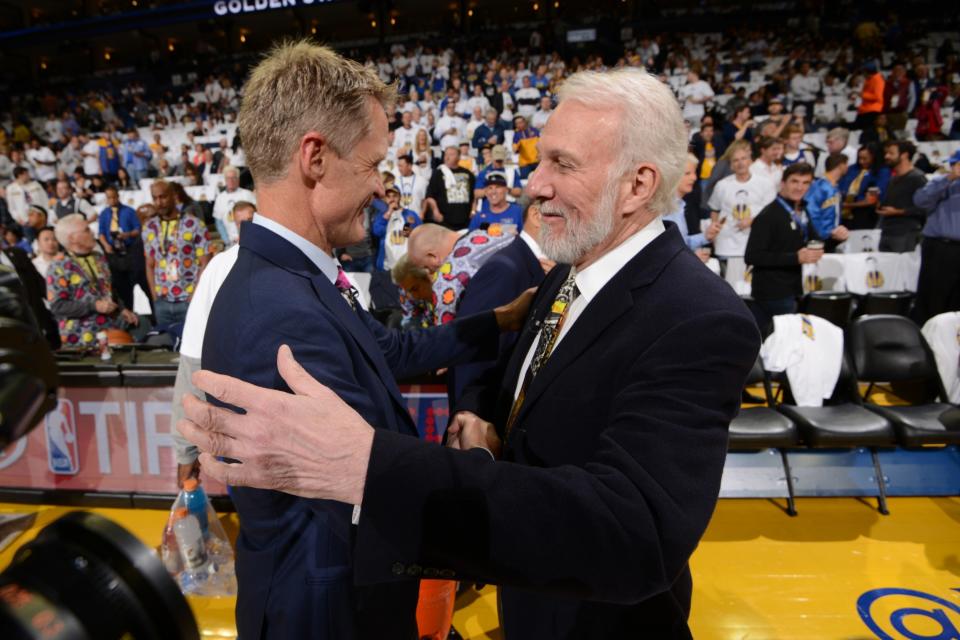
{"x":107,"y":248}
{"x":840,"y":233}
{"x":130,"y":317}
{"x":809,"y":256}
{"x":713,"y":230}
{"x":105,"y":306}
{"x":345,"y":258}
{"x":308,"y":443}
{"x":511,"y":316}
{"x":189,"y":470}
{"x":437,"y":216}
{"x":547,"y":264}
{"x":468,"y":431}
{"x":743,"y":225}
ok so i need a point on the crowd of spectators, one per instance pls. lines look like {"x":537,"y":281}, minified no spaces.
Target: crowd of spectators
{"x":157,"y":174}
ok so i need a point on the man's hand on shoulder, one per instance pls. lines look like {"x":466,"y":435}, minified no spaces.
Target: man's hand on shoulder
{"x":511,"y":316}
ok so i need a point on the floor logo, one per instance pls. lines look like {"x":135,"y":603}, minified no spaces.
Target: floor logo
{"x":905,"y":614}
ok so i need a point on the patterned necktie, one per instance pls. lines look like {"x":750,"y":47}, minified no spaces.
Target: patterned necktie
{"x":549,"y":331}
{"x":345,"y":288}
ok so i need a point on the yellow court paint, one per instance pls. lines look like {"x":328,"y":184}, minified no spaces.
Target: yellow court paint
{"x":758,"y":574}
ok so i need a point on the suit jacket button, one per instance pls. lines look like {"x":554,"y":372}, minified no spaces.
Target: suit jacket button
{"x":447,"y":573}
{"x":414,"y":570}
{"x":398,"y":569}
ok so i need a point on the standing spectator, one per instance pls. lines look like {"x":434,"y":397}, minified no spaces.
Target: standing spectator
{"x":794,"y":149}
{"x":44,"y":161}
{"x":450,"y":193}
{"x":68,"y":202}
{"x":837,"y":142}
{"x":804,"y":87}
{"x":224,"y":203}
{"x":109,"y":157}
{"x":769,"y":163}
{"x":119,"y":229}
{"x":393,"y":228}
{"x":862,"y":188}
{"x":496,"y":211}
{"x":48,"y":250}
{"x":694,"y":95}
{"x":177,"y":248}
{"x":412,"y":187}
{"x":740,"y":127}
{"x":539,"y":119}
{"x":79,"y":290}
{"x":136,"y":157}
{"x":405,"y":135}
{"x":498,"y":158}
{"x":900,"y":219}
{"x":489,"y":132}
{"x":528,"y":97}
{"x":824,"y":202}
{"x":90,"y":151}
{"x":53,"y":127}
{"x":707,"y":147}
{"x":871,"y":97}
{"x":70,"y":156}
{"x":450,"y":123}
{"x":777,"y":248}
{"x":526,"y":141}
{"x":938,"y":289}
{"x":899,"y":98}
{"x":736,"y":200}
{"x":22,"y":193}
{"x":696,"y":241}
{"x":929,"y":117}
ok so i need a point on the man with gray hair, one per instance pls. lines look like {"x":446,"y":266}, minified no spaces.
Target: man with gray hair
{"x":223,"y":205}
{"x":838,"y":140}
{"x":314,"y":128}
{"x":609,"y":419}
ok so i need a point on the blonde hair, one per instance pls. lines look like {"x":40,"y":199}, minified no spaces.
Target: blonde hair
{"x":299,"y":87}
{"x":405,"y":268}
{"x":653,"y":129}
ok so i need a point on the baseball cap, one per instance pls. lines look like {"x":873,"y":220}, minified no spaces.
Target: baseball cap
{"x":391,"y":187}
{"x":499,"y":152}
{"x":496,"y":179}
{"x":955,"y":158}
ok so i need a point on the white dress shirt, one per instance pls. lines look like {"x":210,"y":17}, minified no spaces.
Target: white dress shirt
{"x":591,"y":281}
{"x":534,"y":246}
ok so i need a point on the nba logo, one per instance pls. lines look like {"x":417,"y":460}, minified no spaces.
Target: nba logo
{"x":63,"y":452}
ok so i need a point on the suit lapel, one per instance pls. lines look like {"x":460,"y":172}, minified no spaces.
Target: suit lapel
{"x":611,"y":302}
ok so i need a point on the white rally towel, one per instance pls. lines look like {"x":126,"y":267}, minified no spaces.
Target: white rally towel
{"x":810,"y":350}
{"x":942,"y":333}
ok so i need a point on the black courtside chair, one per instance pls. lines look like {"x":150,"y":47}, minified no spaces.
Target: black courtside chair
{"x":759,"y":428}
{"x":895,"y":303}
{"x":842,"y":423}
{"x":891,"y":349}
{"x":835,"y":306}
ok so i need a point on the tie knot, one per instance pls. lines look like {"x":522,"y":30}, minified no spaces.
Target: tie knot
{"x":342,"y":283}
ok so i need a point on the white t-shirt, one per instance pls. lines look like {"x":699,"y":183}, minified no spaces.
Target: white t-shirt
{"x":195,"y":325}
{"x":45,"y":172}
{"x":772,"y":172}
{"x":403,"y":136}
{"x":698,"y":90}
{"x":413,"y":189}
{"x":223,"y":209}
{"x":810,"y":350}
{"x":738,"y":201}
{"x":540,"y":118}
{"x":91,"y":163}
{"x":942,"y":333}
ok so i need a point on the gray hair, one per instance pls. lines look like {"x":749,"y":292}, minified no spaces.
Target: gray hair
{"x":838,"y":132}
{"x":67,"y":226}
{"x":299,"y":87}
{"x":653,"y":129}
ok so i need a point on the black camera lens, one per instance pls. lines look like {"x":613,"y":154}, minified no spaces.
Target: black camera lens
{"x":86,"y":578}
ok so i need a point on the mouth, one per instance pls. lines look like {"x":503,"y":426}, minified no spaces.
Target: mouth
{"x":547,"y":211}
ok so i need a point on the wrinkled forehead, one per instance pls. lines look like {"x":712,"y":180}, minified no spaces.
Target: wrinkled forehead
{"x":582,"y":130}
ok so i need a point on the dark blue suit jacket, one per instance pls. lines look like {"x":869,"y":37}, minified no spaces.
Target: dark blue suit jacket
{"x":503,"y":277}
{"x":294,"y":555}
{"x":608,"y":478}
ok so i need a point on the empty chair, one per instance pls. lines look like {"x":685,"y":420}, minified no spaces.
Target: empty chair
{"x":892,"y":349}
{"x":896,"y":303}
{"x":758,"y":428}
{"x":842,"y":423}
{"x":830,"y":305}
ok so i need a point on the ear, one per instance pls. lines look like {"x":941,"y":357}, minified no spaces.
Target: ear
{"x":643,"y":186}
{"x":314,"y":155}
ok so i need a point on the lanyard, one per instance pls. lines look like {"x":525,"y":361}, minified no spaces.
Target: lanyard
{"x":168,"y":231}
{"x":797,"y":218}
{"x":89,"y":265}
{"x":407,"y":191}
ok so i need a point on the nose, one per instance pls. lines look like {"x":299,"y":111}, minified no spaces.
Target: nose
{"x":538,"y":187}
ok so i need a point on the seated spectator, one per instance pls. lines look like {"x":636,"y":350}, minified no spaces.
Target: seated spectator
{"x":707,"y":147}
{"x":36,"y":219}
{"x":13,"y":237}
{"x":392,"y":228}
{"x":489,"y":132}
{"x":21,"y":193}
{"x":48,"y":250}
{"x":78,"y":287}
{"x":498,"y":157}
{"x":794,"y":149}
{"x":824,"y":202}
{"x":496,"y":212}
{"x":454,"y":258}
{"x":449,"y":198}
{"x":769,"y":162}
{"x":693,"y":97}
{"x":416,"y":294}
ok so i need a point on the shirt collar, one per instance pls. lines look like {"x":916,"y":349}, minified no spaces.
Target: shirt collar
{"x":533,"y":244}
{"x":324,"y":261}
{"x":592,"y":279}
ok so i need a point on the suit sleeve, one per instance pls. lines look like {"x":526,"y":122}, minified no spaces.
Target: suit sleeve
{"x":619,"y":529}
{"x":762,"y":237}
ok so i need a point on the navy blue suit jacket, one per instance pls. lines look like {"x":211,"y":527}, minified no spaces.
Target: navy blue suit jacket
{"x":610,"y":475}
{"x":503,"y":277}
{"x":294,"y":555}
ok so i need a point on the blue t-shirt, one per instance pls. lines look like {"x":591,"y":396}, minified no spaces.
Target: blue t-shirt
{"x":109,"y":158}
{"x":513,"y":214}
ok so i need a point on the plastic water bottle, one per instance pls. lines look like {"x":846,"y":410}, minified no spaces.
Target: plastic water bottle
{"x":193,"y":551}
{"x":195,"y":500}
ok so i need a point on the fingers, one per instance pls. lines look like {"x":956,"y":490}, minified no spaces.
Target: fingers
{"x":231,"y":391}
{"x":231,"y":474}
{"x":211,"y":428}
{"x":296,"y":377}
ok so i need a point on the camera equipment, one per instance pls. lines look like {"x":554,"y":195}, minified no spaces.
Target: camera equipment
{"x":84,"y":577}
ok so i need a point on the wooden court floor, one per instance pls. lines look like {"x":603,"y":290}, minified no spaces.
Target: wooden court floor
{"x":839,"y":570}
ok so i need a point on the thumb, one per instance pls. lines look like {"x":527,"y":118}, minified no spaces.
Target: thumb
{"x":296,"y":377}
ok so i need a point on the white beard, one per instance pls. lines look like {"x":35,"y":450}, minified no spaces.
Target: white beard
{"x":579,"y":237}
